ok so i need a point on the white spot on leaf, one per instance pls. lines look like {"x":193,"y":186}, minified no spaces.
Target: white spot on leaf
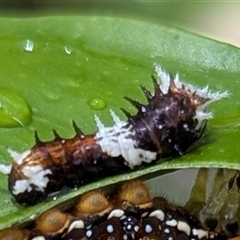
{"x":29,"y":46}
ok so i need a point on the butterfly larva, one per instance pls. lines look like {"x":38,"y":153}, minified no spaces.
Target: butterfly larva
{"x":131,"y":215}
{"x":174,"y":117}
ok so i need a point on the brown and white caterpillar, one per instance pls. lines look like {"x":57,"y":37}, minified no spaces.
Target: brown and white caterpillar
{"x":174,"y":117}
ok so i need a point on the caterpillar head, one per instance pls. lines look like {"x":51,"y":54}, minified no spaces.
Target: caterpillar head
{"x":174,"y":117}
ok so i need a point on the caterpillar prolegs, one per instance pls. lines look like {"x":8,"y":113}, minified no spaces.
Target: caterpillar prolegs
{"x":174,"y":117}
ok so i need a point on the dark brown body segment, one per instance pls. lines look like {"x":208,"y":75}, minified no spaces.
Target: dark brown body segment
{"x":73,"y":162}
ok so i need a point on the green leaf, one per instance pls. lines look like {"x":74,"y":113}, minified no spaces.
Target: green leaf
{"x":14,"y":111}
{"x":62,"y":66}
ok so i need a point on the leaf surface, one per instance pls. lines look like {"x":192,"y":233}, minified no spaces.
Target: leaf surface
{"x":60,"y":65}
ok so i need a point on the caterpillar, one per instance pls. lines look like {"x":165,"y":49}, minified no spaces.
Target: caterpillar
{"x":130,"y":215}
{"x":174,"y":117}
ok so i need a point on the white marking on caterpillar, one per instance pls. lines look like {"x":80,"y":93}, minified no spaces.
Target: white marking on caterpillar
{"x":144,"y":214}
{"x":18,"y":157}
{"x":89,"y":233}
{"x":148,"y":228}
{"x":116,"y":213}
{"x":98,"y":122}
{"x":204,"y":93}
{"x":167,"y":230}
{"x":79,"y":224}
{"x":213,"y":235}
{"x":136,"y":228}
{"x":184,"y":227}
{"x":171,"y":223}
{"x":36,"y":176}
{"x":159,"y":214}
{"x":200,"y":233}
{"x":110,"y":228}
{"x":118,"y":141}
{"x":5,"y":169}
{"x":39,"y":238}
{"x":115,"y":118}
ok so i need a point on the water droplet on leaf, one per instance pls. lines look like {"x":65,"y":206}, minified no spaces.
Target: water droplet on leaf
{"x":97,"y":104}
{"x":68,"y":50}
{"x":29,"y":46}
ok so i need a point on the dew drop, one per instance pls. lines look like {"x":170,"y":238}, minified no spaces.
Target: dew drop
{"x":29,"y":46}
{"x":97,"y":104}
{"x":68,"y":50}
{"x":14,"y":110}
{"x":55,"y":198}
